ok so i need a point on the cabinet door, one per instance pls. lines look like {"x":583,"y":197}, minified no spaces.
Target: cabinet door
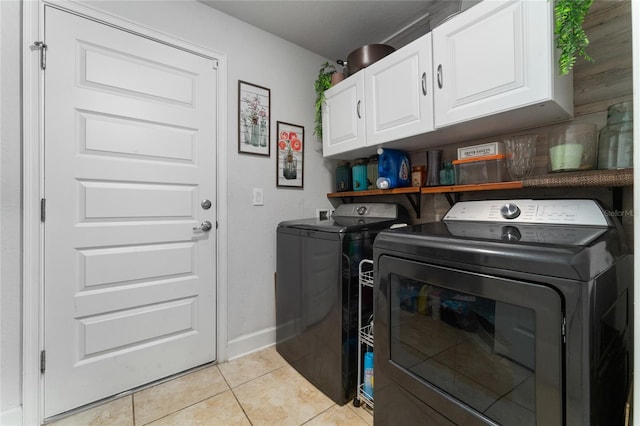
{"x":399,"y":93}
{"x":343,"y":116}
{"x":494,"y":57}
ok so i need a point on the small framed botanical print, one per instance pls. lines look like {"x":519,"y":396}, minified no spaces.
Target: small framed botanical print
{"x":290,"y":158}
{"x":254,"y":115}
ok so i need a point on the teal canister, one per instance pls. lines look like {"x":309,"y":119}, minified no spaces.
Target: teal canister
{"x":343,"y":177}
{"x":359,"y":174}
{"x":615,"y":144}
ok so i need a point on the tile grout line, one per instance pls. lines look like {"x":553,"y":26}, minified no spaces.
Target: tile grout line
{"x":196,"y":402}
{"x":243,"y":383}
{"x":236,"y":397}
{"x":133,"y":409}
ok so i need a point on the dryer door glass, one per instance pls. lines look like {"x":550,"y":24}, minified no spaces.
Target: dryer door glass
{"x":490,"y":344}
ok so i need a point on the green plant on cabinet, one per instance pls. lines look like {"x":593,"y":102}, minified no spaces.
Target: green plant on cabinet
{"x":569,"y":34}
{"x":323,"y":82}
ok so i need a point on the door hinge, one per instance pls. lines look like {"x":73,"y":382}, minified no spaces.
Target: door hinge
{"x":43,"y":209}
{"x":42,"y":46}
{"x":43,"y":361}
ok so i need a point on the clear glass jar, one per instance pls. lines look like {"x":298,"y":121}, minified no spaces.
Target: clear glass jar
{"x":615,"y":147}
{"x":447,"y":174}
{"x":573,"y":147}
{"x":434,"y":160}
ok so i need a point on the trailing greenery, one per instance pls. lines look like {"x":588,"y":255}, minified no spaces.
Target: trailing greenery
{"x":570,"y":36}
{"x":323,"y":82}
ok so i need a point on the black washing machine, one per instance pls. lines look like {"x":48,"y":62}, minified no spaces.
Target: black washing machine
{"x":317,"y":292}
{"x":508,"y":312}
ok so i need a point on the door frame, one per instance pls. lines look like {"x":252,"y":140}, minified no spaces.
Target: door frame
{"x":33,"y":187}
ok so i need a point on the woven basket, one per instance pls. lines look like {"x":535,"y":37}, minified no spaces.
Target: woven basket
{"x":581,"y":179}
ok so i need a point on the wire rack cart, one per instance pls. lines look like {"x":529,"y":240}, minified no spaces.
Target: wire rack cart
{"x":365,"y":331}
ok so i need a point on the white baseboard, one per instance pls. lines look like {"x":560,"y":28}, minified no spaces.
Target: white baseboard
{"x":249,"y":343}
{"x":11,"y":417}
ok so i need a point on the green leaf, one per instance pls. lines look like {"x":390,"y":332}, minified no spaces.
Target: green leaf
{"x":569,"y":34}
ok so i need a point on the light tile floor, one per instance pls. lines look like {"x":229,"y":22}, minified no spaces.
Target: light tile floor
{"x":257,"y":389}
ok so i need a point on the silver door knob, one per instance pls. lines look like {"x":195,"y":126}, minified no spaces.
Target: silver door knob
{"x":203,"y":227}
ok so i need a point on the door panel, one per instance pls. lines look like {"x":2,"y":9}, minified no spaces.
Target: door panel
{"x":131,"y":75}
{"x":492,"y":58}
{"x":129,"y":285}
{"x":149,"y":141}
{"x":399,"y":93}
{"x":343,"y":116}
{"x":121,"y":200}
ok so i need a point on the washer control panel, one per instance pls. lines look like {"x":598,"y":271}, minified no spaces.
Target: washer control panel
{"x":381,"y":210}
{"x":560,"y":212}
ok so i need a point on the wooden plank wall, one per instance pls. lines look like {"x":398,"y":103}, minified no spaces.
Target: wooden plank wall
{"x":608,"y":80}
{"x":597,"y":85}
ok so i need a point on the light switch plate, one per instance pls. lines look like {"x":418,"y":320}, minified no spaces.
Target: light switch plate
{"x":258,"y":197}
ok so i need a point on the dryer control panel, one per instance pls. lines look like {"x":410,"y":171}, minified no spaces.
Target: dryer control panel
{"x":548,"y":212}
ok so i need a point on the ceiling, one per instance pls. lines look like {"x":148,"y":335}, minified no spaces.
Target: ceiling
{"x":330,"y":28}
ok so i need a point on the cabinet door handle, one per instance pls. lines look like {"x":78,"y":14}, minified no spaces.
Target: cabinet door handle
{"x":440,"y":76}
{"x":424,"y":83}
{"x":358,"y":109}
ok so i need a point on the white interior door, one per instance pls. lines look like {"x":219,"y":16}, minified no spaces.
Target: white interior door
{"x":129,"y":285}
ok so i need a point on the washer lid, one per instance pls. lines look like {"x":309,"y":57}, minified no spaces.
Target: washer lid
{"x":340,"y":224}
{"x":435,"y":243}
{"x":352,"y":217}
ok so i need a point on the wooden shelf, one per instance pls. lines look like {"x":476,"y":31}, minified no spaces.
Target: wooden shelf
{"x":346,"y":194}
{"x":411,"y":192}
{"x":614,"y":178}
{"x":496,"y":186}
{"x":590,"y":178}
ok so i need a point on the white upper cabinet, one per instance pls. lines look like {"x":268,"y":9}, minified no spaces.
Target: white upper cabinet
{"x":343,"y":127}
{"x":497,"y":56}
{"x":488,"y":70}
{"x":395,"y":94}
{"x":399,"y":93}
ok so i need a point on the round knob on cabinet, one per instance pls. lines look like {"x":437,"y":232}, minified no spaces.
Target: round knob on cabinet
{"x":510,"y":211}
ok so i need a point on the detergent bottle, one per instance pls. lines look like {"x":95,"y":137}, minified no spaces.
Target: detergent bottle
{"x":394,"y":169}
